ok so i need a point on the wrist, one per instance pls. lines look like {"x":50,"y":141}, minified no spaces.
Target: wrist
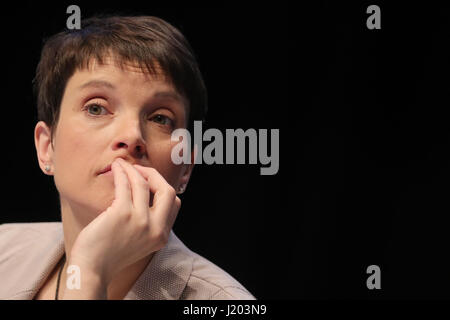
{"x":83,"y":281}
{"x":92,"y":264}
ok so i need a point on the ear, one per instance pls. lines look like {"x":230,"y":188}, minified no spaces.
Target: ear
{"x":44,"y":147}
{"x":187,"y":171}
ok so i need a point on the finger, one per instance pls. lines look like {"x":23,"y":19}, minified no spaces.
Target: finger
{"x":175,"y":209}
{"x":122,"y":191}
{"x":164,"y":196}
{"x":155,"y":179}
{"x":140,"y":189}
{"x":173,"y":214}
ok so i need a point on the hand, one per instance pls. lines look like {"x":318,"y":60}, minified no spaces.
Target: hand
{"x":129,"y":229}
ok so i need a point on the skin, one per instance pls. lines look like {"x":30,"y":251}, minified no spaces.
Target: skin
{"x":113,"y":223}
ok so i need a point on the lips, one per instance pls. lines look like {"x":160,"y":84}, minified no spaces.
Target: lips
{"x":108,"y":167}
{"x":105,"y":170}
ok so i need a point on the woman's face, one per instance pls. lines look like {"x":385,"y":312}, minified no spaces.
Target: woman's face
{"x":109,"y":112}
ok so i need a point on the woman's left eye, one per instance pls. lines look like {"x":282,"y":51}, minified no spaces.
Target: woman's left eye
{"x":162,"y":119}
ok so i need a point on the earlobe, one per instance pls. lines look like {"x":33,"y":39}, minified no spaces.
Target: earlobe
{"x":44,"y":149}
{"x":181,"y":189}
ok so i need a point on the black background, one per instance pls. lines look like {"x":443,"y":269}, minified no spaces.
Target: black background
{"x":377,"y":151}
{"x":364,"y":142}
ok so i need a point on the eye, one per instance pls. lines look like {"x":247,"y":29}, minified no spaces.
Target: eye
{"x":95,"y":109}
{"x":162,"y":119}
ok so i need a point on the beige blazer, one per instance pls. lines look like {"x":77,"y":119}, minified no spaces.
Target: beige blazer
{"x":30,"y":251}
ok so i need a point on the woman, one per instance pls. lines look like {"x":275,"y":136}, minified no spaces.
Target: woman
{"x":109,"y":96}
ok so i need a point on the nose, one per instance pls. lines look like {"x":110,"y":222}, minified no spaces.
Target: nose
{"x":129,"y":137}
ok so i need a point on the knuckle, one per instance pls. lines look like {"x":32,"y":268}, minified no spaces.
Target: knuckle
{"x":126,"y":211}
{"x":171,"y":192}
{"x":177,"y":203}
{"x":142,"y":225}
{"x":143,"y":184}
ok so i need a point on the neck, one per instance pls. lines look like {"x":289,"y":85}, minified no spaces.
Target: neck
{"x":74,"y":219}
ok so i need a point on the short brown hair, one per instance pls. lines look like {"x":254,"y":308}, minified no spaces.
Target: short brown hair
{"x":148,"y":41}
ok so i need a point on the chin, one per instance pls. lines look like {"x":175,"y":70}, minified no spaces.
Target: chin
{"x":100,"y":206}
{"x":91,"y":209}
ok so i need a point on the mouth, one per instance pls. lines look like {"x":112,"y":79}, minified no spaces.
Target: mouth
{"x":105,"y":170}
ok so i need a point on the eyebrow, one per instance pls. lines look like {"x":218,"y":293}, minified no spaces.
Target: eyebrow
{"x":97,"y":84}
{"x":168,"y":94}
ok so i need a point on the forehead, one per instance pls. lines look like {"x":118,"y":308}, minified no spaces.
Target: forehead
{"x":125,"y":72}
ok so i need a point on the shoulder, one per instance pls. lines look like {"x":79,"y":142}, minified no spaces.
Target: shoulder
{"x":36,"y":226}
{"x":15,"y":233}
{"x":27,"y":254}
{"x":17,"y":238}
{"x":207,"y":281}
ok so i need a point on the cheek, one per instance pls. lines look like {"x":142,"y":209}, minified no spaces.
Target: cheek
{"x":74,"y":151}
{"x":161,"y":160}
{"x":69,"y":146}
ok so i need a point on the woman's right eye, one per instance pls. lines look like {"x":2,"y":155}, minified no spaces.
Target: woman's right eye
{"x":95,"y":109}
